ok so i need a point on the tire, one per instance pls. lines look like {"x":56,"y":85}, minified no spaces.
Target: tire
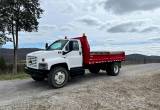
{"x":58,"y":77}
{"x":38,"y":78}
{"x":94,"y":70}
{"x":82,"y":72}
{"x":113,"y":69}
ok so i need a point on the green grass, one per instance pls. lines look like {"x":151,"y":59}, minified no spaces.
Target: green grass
{"x":10,"y":76}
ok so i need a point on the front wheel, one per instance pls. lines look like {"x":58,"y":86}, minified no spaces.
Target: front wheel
{"x":113,"y":69}
{"x":58,"y":77}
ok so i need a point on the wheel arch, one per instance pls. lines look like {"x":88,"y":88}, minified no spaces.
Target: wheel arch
{"x":119,"y":63}
{"x":64,"y":65}
{"x":115,"y":62}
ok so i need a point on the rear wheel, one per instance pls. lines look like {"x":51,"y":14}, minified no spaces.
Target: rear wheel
{"x":94,"y":70}
{"x":113,"y":69}
{"x":38,"y":78}
{"x":82,"y":72}
{"x":58,"y":77}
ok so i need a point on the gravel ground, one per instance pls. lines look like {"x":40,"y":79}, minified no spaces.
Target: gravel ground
{"x":136,"y":88}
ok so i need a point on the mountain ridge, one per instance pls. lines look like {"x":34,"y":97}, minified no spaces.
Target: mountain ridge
{"x":7,"y":54}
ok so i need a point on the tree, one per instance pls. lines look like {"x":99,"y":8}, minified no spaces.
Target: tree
{"x":16,"y":16}
{"x":2,"y":63}
{"x":4,"y":39}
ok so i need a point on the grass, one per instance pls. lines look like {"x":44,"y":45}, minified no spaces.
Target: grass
{"x":10,"y":76}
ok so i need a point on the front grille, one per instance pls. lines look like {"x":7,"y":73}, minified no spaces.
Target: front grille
{"x":32,"y":61}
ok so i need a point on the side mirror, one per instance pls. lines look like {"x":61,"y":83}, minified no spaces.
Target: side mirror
{"x":46,"y":46}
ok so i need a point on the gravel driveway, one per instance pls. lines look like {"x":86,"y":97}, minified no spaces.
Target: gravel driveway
{"x":136,"y":88}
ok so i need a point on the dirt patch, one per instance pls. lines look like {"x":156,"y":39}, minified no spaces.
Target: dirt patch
{"x":130,"y":92}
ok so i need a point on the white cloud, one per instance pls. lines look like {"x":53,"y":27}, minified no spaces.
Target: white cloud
{"x":65,"y":28}
{"x":126,"y":6}
{"x":69,"y":8}
{"x":151,"y":29}
{"x":125,"y":27}
{"x":89,"y":20}
{"x":134,"y":27}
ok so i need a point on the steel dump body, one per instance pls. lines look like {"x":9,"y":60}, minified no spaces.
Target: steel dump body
{"x":91,"y":58}
{"x":103,"y":57}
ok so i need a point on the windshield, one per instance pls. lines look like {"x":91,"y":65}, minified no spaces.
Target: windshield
{"x":57,"y":45}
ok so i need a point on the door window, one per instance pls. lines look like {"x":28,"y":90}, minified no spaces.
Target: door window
{"x":72,"y":45}
{"x":75,"y":46}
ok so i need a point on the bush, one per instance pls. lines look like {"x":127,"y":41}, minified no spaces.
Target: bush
{"x":2,"y":64}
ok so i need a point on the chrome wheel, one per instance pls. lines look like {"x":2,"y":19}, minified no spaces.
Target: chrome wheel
{"x":59,"y":77}
{"x":113,"y":68}
{"x":116,"y":69}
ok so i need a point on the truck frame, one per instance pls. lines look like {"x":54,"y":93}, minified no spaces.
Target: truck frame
{"x":68,"y":57}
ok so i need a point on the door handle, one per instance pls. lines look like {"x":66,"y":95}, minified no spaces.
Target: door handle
{"x":80,"y":53}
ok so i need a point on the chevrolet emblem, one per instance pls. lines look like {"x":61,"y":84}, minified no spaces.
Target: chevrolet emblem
{"x":30,"y":61}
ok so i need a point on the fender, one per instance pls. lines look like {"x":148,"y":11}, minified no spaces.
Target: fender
{"x":56,"y":61}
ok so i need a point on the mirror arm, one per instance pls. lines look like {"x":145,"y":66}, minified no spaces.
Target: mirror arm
{"x":46,"y":46}
{"x":64,"y":53}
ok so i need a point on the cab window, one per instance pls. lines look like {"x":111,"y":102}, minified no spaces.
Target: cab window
{"x":72,"y":45}
{"x":57,"y":45}
{"x":75,"y":46}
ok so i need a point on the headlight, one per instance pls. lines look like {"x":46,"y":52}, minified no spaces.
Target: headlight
{"x":43,"y":66}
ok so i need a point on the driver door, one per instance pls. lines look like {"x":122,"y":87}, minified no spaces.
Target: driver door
{"x":74,"y":55}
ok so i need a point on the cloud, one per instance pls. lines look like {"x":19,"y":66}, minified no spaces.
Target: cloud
{"x":125,"y":27}
{"x":65,"y":28}
{"x":47,"y":27}
{"x":69,"y":8}
{"x":68,"y":27}
{"x":151,"y":29}
{"x":127,"y":6}
{"x":156,"y":39}
{"x":89,"y":20}
{"x":104,"y":25}
{"x":133,"y":27}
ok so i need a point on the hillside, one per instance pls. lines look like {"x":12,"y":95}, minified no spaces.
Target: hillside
{"x":140,"y":59}
{"x":130,"y":59}
{"x":7,"y":54}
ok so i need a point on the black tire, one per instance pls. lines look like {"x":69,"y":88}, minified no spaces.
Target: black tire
{"x":94,"y":70}
{"x":62,"y":78}
{"x":38,"y":78}
{"x":113,"y":69}
{"x":82,"y":72}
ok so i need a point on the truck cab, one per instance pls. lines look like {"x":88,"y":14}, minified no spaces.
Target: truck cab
{"x":66,"y":51}
{"x":66,"y":57}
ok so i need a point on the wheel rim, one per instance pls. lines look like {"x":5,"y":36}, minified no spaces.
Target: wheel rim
{"x":59,"y":77}
{"x":116,"y":69}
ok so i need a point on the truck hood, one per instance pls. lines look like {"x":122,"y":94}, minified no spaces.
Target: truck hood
{"x":44,"y":54}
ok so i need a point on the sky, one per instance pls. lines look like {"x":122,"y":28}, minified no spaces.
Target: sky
{"x":132,"y":26}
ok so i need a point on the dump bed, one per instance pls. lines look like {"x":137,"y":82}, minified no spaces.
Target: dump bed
{"x":98,"y":57}
{"x":102,"y":57}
